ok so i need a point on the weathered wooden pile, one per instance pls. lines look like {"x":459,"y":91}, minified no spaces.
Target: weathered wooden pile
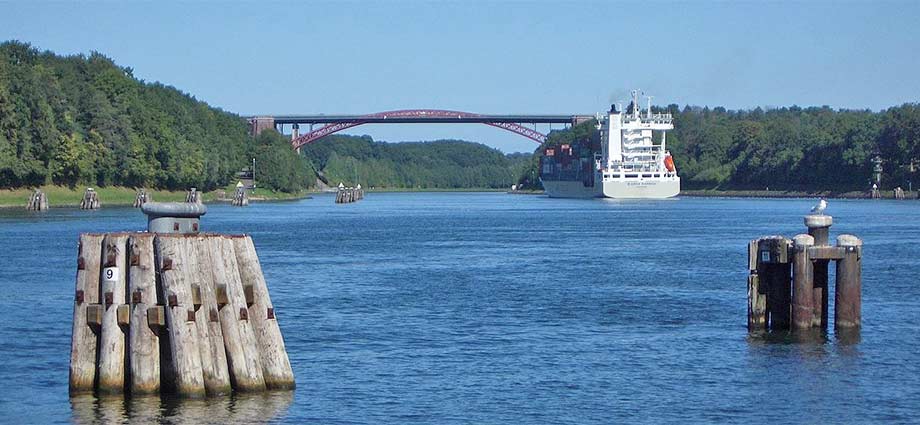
{"x":241,"y":199}
{"x":182,"y":313}
{"x":38,"y":201}
{"x":90,"y":200}
{"x":193,"y":196}
{"x":141,"y":198}
{"x":346,"y":195}
{"x":788,"y":281}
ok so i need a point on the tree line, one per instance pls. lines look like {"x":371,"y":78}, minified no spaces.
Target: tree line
{"x":441,"y":164}
{"x":83,"y":120}
{"x":790,"y":148}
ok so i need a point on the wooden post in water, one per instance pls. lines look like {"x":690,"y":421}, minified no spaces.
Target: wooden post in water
{"x":180,"y":315}
{"x":90,"y":200}
{"x":773,"y":270}
{"x":231,"y":304}
{"x":216,"y":333}
{"x":112,"y":294}
{"x":143,"y":340}
{"x":213,"y":359}
{"x":802,"y":290}
{"x":83,"y":336}
{"x":757,"y":298}
{"x":819,"y":228}
{"x":276,"y":366}
{"x":38,"y":201}
{"x":848,"y":285}
{"x":237,"y":301}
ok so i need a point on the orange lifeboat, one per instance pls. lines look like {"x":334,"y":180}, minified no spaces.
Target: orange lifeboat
{"x":669,"y":163}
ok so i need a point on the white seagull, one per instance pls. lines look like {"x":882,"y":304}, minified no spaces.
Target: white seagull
{"x":819,"y":209}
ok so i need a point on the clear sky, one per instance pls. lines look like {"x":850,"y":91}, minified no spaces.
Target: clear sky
{"x":494,"y":57}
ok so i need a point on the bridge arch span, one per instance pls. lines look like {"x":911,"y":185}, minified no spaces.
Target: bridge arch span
{"x":417,"y":116}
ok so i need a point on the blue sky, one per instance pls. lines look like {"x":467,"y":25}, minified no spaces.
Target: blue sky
{"x":494,"y":57}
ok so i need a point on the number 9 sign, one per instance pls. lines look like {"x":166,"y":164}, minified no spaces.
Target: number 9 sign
{"x":110,"y":274}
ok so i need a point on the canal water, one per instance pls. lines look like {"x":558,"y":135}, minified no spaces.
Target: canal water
{"x":495,"y":308}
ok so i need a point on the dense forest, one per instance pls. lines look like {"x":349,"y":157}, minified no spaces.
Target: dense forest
{"x":83,"y":120}
{"x":792,"y":148}
{"x":442,"y":164}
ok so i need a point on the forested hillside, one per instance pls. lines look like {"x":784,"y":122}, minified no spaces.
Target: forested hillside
{"x":787,"y":148}
{"x":442,"y":164}
{"x":83,"y":120}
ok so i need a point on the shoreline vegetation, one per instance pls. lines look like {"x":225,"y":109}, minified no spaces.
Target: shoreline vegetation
{"x":114,"y":196}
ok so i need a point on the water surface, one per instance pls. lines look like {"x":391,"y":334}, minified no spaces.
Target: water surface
{"x":494,"y":308}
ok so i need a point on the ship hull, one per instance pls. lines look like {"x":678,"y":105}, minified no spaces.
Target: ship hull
{"x":616,"y":189}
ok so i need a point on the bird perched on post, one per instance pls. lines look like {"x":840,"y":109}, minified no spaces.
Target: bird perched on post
{"x":819,"y":209}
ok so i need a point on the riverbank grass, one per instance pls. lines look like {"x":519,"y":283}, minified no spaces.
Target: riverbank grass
{"x":60,"y":196}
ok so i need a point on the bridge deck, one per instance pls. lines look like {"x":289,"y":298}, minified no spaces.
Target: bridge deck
{"x":459,"y":119}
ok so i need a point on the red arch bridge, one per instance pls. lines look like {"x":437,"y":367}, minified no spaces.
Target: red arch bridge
{"x":329,"y":124}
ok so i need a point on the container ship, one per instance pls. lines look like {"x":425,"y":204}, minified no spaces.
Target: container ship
{"x":630,"y":163}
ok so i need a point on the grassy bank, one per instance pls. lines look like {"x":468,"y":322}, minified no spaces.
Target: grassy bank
{"x":59,"y":196}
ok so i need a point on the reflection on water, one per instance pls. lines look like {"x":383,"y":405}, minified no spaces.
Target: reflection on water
{"x":237,"y":408}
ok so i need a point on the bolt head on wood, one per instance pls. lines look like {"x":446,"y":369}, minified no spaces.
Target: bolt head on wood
{"x":221,"y":295}
{"x":244,"y":314}
{"x":109,"y":298}
{"x":156,"y":316}
{"x":137,"y":297}
{"x":94,"y":314}
{"x":248,"y":291}
{"x":191,"y":315}
{"x":79,"y":296}
{"x":172,"y":300}
{"x":196,"y":296}
{"x":123,"y":313}
{"x":271,"y":313}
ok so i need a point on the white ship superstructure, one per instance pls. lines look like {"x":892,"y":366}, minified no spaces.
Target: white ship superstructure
{"x":630,"y":165}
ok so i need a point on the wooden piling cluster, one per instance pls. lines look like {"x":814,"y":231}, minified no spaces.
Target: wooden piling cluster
{"x":788,"y":280}
{"x":193,"y":196}
{"x":141,"y":198}
{"x":38,"y":201}
{"x":90,"y":200}
{"x":188,"y":314}
{"x":346,"y":195}
{"x":241,"y":199}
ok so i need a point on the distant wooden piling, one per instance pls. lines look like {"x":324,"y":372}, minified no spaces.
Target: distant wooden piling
{"x":773,"y":270}
{"x":142,"y":197}
{"x":802,"y":287}
{"x":770,"y":286}
{"x":174,"y":311}
{"x":143,"y":340}
{"x":347,"y":195}
{"x":90,"y":200}
{"x":848,"y":284}
{"x":276,"y":366}
{"x":84,"y":333}
{"x":112,"y":296}
{"x":193,"y":196}
{"x":819,"y":228}
{"x":241,"y":199}
{"x":38,"y":201}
